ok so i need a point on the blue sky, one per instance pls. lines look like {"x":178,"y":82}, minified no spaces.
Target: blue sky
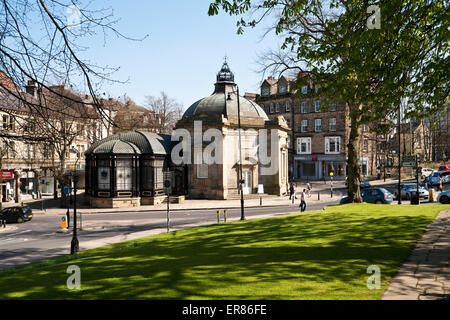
{"x":183,"y":52}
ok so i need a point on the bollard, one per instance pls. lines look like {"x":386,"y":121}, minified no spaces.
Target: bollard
{"x":224,"y":211}
{"x":318,"y":195}
{"x":260,"y":201}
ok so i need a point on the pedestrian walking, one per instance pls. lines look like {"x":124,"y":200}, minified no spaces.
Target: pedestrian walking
{"x":308,"y":189}
{"x":291,"y":190}
{"x":440,"y":184}
{"x":302,"y":201}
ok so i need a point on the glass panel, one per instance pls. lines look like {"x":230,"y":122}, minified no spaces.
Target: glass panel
{"x":103,"y":178}
{"x":124,"y":175}
{"x":147,"y":177}
{"x":159,"y":178}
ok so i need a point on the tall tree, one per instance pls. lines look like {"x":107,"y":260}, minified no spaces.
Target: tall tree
{"x":369,"y":56}
{"x":42,"y":41}
{"x":167,"y":110}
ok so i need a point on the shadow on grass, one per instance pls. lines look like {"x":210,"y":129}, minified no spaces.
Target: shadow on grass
{"x":315,"y":256}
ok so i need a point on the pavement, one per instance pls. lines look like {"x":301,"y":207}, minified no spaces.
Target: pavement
{"x":426,"y":273}
{"x":8,"y":228}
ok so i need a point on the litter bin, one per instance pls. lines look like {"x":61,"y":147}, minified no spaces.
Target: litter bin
{"x":415,"y":198}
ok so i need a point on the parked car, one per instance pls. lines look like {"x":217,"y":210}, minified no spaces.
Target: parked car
{"x":434,"y":180}
{"x":408,"y":189}
{"x":444,"y":197}
{"x":16,"y":214}
{"x":445,"y":167}
{"x":373,"y":195}
{"x":363,"y":184}
{"x":426,"y":172}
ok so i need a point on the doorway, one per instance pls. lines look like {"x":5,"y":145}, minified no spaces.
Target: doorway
{"x":247,"y":177}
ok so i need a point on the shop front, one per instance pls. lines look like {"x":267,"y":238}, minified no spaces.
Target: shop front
{"x":8,"y":185}
{"x":318,"y":167}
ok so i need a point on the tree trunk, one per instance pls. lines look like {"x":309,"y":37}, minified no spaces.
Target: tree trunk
{"x":354,"y":169}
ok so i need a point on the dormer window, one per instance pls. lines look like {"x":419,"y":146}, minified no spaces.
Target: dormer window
{"x":282,"y":89}
{"x":305,"y":89}
{"x":265,"y":92}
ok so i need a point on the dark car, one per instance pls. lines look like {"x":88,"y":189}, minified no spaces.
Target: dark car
{"x":364,"y":184}
{"x":445,"y":167}
{"x":374,"y":195}
{"x":16,"y":214}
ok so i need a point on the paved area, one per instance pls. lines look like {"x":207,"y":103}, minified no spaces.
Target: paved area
{"x":426,"y":273}
{"x":8,"y":228}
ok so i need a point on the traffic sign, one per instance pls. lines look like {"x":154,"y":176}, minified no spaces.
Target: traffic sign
{"x":64,"y":222}
{"x":408,"y":158}
{"x":67,"y":190}
{"x":409,"y":164}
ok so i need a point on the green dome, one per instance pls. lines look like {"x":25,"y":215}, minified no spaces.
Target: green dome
{"x":133,"y":142}
{"x":216,"y":105}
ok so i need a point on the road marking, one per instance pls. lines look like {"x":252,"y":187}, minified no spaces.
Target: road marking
{"x":26,"y":231}
{"x":10,"y":240}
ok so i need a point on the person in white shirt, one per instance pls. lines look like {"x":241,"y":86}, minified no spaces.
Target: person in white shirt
{"x":302,"y":201}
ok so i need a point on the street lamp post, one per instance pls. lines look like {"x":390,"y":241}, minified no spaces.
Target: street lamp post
{"x":74,"y":245}
{"x":241,"y":182}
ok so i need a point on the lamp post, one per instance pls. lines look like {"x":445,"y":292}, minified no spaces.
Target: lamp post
{"x":331,"y":177}
{"x":74,"y":245}
{"x":241,"y":181}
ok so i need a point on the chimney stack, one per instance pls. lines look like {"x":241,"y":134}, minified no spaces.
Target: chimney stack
{"x":31,"y":88}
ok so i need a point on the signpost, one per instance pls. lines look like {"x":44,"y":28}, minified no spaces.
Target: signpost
{"x":409,"y":161}
{"x":167,"y":186}
{"x":64,"y":223}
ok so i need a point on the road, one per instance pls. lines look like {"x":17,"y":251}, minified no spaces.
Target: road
{"x":41,"y":238}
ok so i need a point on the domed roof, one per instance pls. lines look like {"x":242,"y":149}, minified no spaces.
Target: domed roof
{"x":216,"y":105}
{"x":133,"y":142}
{"x":224,"y":102}
{"x":116,"y":147}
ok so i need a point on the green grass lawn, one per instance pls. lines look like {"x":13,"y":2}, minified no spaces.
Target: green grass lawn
{"x":313,"y":255}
